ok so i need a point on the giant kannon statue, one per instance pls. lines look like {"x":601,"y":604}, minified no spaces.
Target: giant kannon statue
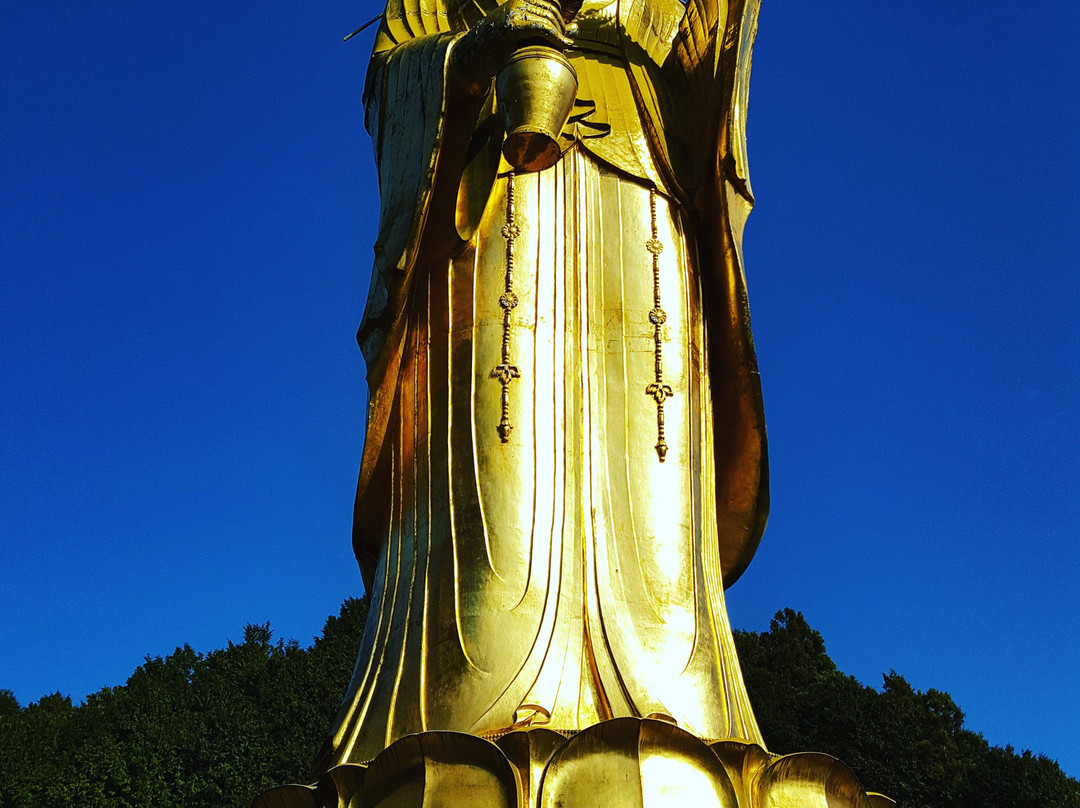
{"x":565,"y":458}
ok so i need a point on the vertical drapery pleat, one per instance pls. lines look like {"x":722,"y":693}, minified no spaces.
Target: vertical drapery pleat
{"x":566,"y":576}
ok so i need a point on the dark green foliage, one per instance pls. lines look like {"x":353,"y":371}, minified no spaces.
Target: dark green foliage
{"x":186,"y":731}
{"x":194,"y":730}
{"x":904,"y":743}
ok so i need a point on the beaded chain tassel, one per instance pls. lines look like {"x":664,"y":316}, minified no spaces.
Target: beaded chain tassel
{"x":657,"y":390}
{"x":506,"y":371}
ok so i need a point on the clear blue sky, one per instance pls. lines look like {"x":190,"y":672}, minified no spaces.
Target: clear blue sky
{"x":187,"y":203}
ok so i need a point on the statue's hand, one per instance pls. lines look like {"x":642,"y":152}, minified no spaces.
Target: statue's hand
{"x":481,"y":51}
{"x":517,"y":22}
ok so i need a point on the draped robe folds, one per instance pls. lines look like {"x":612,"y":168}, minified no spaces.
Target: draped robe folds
{"x":568,"y":575}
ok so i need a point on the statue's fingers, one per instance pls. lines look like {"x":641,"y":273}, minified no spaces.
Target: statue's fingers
{"x":554,"y":36}
{"x":538,"y":13}
{"x":549,"y":7}
{"x":551,"y":15}
{"x":549,"y":12}
{"x":559,"y":40}
{"x":538,"y":24}
{"x":538,"y":19}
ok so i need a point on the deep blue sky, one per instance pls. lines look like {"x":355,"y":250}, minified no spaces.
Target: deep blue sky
{"x":187,"y":204}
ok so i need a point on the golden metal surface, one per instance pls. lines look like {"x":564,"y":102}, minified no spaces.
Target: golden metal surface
{"x":547,"y":624}
{"x":595,"y":311}
{"x":505,"y":371}
{"x":529,"y":751}
{"x":535,"y":91}
{"x":624,"y":763}
{"x":628,"y":762}
{"x":659,"y":391}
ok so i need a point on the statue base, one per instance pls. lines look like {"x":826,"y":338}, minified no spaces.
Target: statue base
{"x":622,"y":763}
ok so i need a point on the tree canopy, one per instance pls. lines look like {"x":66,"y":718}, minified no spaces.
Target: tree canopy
{"x":185,"y":731}
{"x":193,"y":729}
{"x":907,"y":744}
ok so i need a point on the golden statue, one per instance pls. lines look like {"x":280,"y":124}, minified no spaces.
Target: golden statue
{"x":565,"y":459}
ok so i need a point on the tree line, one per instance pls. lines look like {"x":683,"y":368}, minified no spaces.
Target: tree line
{"x":192,"y":729}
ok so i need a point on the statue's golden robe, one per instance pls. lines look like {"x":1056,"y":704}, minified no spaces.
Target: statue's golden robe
{"x":568,"y":575}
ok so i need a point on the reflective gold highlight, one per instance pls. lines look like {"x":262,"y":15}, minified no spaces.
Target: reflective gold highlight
{"x":546,"y":553}
{"x":624,"y":762}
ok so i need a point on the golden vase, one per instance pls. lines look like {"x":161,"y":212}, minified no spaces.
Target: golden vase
{"x":535,"y":89}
